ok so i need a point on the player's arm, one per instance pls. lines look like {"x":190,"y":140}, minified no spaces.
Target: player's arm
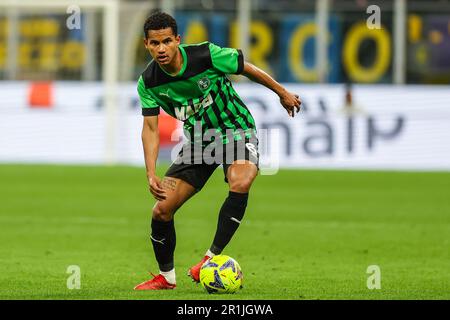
{"x":231,"y":61}
{"x":150,"y":143}
{"x":291,"y":102}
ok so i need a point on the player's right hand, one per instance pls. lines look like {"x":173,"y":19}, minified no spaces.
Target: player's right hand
{"x":154,"y":184}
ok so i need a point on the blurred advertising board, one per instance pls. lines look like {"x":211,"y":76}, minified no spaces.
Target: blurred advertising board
{"x":282,"y":43}
{"x":429,"y":49}
{"x":384,"y":127}
{"x":46,"y":48}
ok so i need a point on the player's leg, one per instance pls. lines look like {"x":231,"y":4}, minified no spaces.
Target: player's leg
{"x":162,"y":227}
{"x":183,"y":179}
{"x":240,"y":175}
{"x":163,"y":235}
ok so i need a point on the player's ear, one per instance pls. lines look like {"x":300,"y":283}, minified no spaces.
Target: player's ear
{"x":178,"y":39}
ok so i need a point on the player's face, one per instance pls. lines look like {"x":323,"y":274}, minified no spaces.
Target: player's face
{"x":162,"y":45}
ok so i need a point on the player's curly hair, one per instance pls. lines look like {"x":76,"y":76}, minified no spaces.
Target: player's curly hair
{"x":160,"y":20}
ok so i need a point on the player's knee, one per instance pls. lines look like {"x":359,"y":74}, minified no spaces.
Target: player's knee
{"x":242,"y":184}
{"x":161,"y":212}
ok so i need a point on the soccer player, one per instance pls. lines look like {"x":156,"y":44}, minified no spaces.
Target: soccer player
{"x":190,"y":83}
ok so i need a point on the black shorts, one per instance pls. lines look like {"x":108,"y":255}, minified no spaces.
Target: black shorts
{"x":196,"y":165}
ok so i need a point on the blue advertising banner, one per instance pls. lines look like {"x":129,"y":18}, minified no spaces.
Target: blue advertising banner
{"x":297,"y":44}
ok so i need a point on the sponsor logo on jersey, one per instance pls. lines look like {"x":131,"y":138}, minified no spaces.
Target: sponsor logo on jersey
{"x":185,"y":111}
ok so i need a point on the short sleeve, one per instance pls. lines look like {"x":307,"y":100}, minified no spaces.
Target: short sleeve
{"x":148,"y":104}
{"x":227,"y":60}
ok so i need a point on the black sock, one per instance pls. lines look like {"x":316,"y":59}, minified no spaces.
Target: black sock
{"x":230,"y":217}
{"x":163,"y":241}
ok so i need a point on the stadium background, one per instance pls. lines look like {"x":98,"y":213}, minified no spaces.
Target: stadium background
{"x":360,"y":178}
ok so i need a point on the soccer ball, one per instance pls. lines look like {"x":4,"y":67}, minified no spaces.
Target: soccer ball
{"x":221,"y":274}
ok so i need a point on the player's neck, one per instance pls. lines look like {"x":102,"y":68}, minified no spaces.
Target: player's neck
{"x":176,"y":64}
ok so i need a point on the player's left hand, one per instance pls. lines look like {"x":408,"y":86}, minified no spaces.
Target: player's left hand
{"x":291,"y":102}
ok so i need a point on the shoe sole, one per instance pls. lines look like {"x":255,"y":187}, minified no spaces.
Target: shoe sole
{"x":170,"y":288}
{"x":153,"y":289}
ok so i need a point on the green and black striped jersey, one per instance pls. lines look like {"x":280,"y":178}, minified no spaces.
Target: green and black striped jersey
{"x":201,"y":93}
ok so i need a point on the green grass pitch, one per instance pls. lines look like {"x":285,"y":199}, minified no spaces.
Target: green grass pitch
{"x":306,"y":234}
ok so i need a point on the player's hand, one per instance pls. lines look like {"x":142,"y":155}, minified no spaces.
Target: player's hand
{"x":154,"y":184}
{"x":291,"y":102}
